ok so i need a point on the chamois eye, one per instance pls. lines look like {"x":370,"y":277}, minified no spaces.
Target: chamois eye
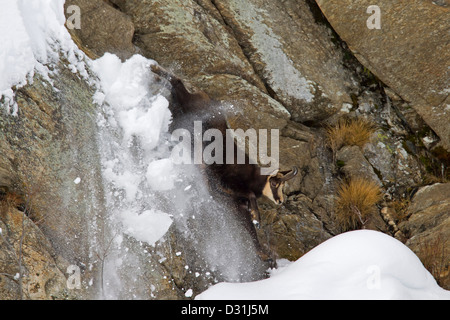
{"x":274,"y":184}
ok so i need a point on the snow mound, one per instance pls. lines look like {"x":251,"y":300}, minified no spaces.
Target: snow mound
{"x":355,"y":265}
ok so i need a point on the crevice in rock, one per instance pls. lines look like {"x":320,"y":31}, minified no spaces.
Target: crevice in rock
{"x":229,"y":27}
{"x":112,"y":4}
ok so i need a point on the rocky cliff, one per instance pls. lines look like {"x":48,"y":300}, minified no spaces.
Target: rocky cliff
{"x":300,"y":66}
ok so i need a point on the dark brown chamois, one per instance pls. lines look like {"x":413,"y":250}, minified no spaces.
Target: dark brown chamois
{"x":244,"y":183}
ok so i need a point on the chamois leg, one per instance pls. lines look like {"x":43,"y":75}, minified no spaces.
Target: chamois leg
{"x":254,"y":211}
{"x":248,"y":218}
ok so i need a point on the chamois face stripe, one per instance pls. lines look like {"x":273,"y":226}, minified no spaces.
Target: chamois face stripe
{"x":274,"y":193}
{"x":267,"y":191}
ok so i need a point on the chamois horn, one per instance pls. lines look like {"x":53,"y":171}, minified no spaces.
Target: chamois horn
{"x":290,"y":175}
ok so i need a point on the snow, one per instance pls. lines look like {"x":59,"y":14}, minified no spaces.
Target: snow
{"x":160,"y":175}
{"x":189,"y":293}
{"x":125,"y":88}
{"x":135,"y":120}
{"x":355,"y":265}
{"x":149,"y":226}
{"x":77,"y":180}
{"x":33,"y":35}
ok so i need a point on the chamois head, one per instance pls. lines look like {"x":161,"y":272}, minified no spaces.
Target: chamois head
{"x":273,"y":188}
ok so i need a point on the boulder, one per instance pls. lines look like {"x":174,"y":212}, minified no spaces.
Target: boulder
{"x":185,"y":38}
{"x":399,"y":52}
{"x":353,"y":164}
{"x":263,"y":44}
{"x":429,"y":210}
{"x":102,"y":28}
{"x":428,"y":229}
{"x":394,"y":165}
{"x":6,"y":178}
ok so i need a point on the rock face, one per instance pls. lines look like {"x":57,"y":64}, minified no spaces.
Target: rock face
{"x":274,"y":47}
{"x":30,"y":267}
{"x":399,"y":53}
{"x":193,"y":42}
{"x":289,"y":235}
{"x":291,"y":54}
{"x":44,"y":149}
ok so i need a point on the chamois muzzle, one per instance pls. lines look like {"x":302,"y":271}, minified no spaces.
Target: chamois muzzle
{"x":290,"y":175}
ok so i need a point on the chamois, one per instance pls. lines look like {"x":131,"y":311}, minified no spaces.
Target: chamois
{"x":244,"y":183}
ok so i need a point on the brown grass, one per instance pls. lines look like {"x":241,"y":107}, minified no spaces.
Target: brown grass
{"x":400,"y":210}
{"x":350,"y":132}
{"x":432,"y":253}
{"x":11,"y":199}
{"x":355,"y":203}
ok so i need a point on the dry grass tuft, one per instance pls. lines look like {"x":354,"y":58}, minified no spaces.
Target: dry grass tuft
{"x":355,"y":203}
{"x":11,"y":200}
{"x":350,"y":132}
{"x":400,"y":209}
{"x":432,"y":253}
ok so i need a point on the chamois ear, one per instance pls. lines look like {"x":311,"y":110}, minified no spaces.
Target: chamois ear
{"x":274,"y":173}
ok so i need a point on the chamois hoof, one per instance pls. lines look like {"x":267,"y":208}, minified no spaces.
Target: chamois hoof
{"x":272,"y":263}
{"x":255,"y":218}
